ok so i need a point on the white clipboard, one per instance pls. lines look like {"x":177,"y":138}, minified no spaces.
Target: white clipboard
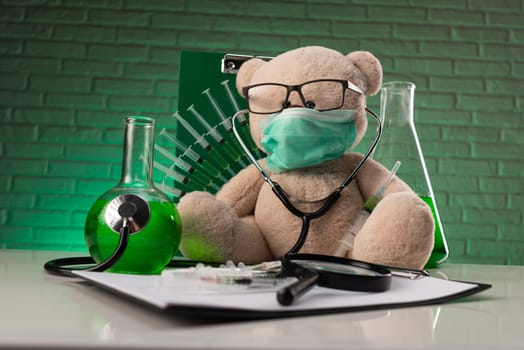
{"x":185,"y":297}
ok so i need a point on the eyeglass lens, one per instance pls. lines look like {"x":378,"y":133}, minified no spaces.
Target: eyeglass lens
{"x":272,"y":98}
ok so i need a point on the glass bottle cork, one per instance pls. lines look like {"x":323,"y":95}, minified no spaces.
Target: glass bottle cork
{"x":400,"y":142}
{"x":154,"y":224}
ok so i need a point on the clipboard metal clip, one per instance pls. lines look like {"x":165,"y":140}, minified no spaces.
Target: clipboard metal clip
{"x":232,"y":62}
{"x":412,"y":274}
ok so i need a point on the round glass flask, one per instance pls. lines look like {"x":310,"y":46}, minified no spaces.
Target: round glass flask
{"x":151,"y":217}
{"x":400,"y":142}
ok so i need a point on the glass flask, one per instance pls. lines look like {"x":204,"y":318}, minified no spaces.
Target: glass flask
{"x":154,"y":224}
{"x":400,"y":142}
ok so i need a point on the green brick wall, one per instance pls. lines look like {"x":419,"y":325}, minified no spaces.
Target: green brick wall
{"x":72,"y":69}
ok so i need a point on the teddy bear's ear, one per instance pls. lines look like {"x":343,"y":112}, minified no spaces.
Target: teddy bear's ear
{"x":246,"y":71}
{"x":370,"y":67}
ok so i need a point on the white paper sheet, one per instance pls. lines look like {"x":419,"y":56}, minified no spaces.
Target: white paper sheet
{"x":162,"y":293}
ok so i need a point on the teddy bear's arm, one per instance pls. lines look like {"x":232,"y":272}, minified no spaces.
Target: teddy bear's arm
{"x":241,"y":192}
{"x":399,"y":231}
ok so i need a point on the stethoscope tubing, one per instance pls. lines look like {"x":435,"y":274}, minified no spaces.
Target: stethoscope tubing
{"x":329,"y":201}
{"x":64,"y":266}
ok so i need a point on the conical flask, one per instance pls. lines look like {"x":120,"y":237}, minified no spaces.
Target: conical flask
{"x":400,"y":142}
{"x":153,"y":221}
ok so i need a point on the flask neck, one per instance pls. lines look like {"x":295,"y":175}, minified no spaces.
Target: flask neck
{"x":137,"y":162}
{"x":396,"y":102}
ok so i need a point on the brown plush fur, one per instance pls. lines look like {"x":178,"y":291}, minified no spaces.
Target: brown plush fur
{"x":246,"y":222}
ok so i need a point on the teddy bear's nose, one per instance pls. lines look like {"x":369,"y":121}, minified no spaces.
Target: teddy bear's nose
{"x":295,"y":99}
{"x":310,"y":104}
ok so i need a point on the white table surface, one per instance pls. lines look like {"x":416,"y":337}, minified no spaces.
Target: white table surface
{"x":38,"y":310}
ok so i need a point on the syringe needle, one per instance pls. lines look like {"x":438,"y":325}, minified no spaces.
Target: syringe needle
{"x":217,"y":108}
{"x":392,"y":173}
{"x":230,"y":96}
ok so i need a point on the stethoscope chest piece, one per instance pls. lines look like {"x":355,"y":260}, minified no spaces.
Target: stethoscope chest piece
{"x":127,"y":210}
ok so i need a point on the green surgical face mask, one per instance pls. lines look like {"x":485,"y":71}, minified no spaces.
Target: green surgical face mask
{"x":302,"y":137}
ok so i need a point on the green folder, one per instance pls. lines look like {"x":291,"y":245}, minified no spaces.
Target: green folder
{"x":207,"y":100}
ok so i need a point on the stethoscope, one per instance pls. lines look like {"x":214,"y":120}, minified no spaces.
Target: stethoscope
{"x":308,"y":269}
{"x":328,"y":201}
{"x":131,"y":209}
{"x":324,"y":270}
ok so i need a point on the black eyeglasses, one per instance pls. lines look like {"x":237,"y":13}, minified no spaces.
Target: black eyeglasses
{"x":321,"y":94}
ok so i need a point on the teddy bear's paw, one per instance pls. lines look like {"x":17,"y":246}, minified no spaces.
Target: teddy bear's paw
{"x":399,"y":232}
{"x":207,"y":227}
{"x":250,"y":245}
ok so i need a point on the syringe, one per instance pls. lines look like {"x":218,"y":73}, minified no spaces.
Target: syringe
{"x":218,"y":110}
{"x":201,"y":179}
{"x":227,"y":123}
{"x":244,"y":130}
{"x":346,"y":242}
{"x":227,"y":150}
{"x":186,"y":151}
{"x":206,"y":146}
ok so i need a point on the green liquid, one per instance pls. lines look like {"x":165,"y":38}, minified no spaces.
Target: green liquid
{"x":440,"y":250}
{"x":148,"y":251}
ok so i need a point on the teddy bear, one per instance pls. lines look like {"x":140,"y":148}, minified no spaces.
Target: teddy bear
{"x":324,"y":92}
